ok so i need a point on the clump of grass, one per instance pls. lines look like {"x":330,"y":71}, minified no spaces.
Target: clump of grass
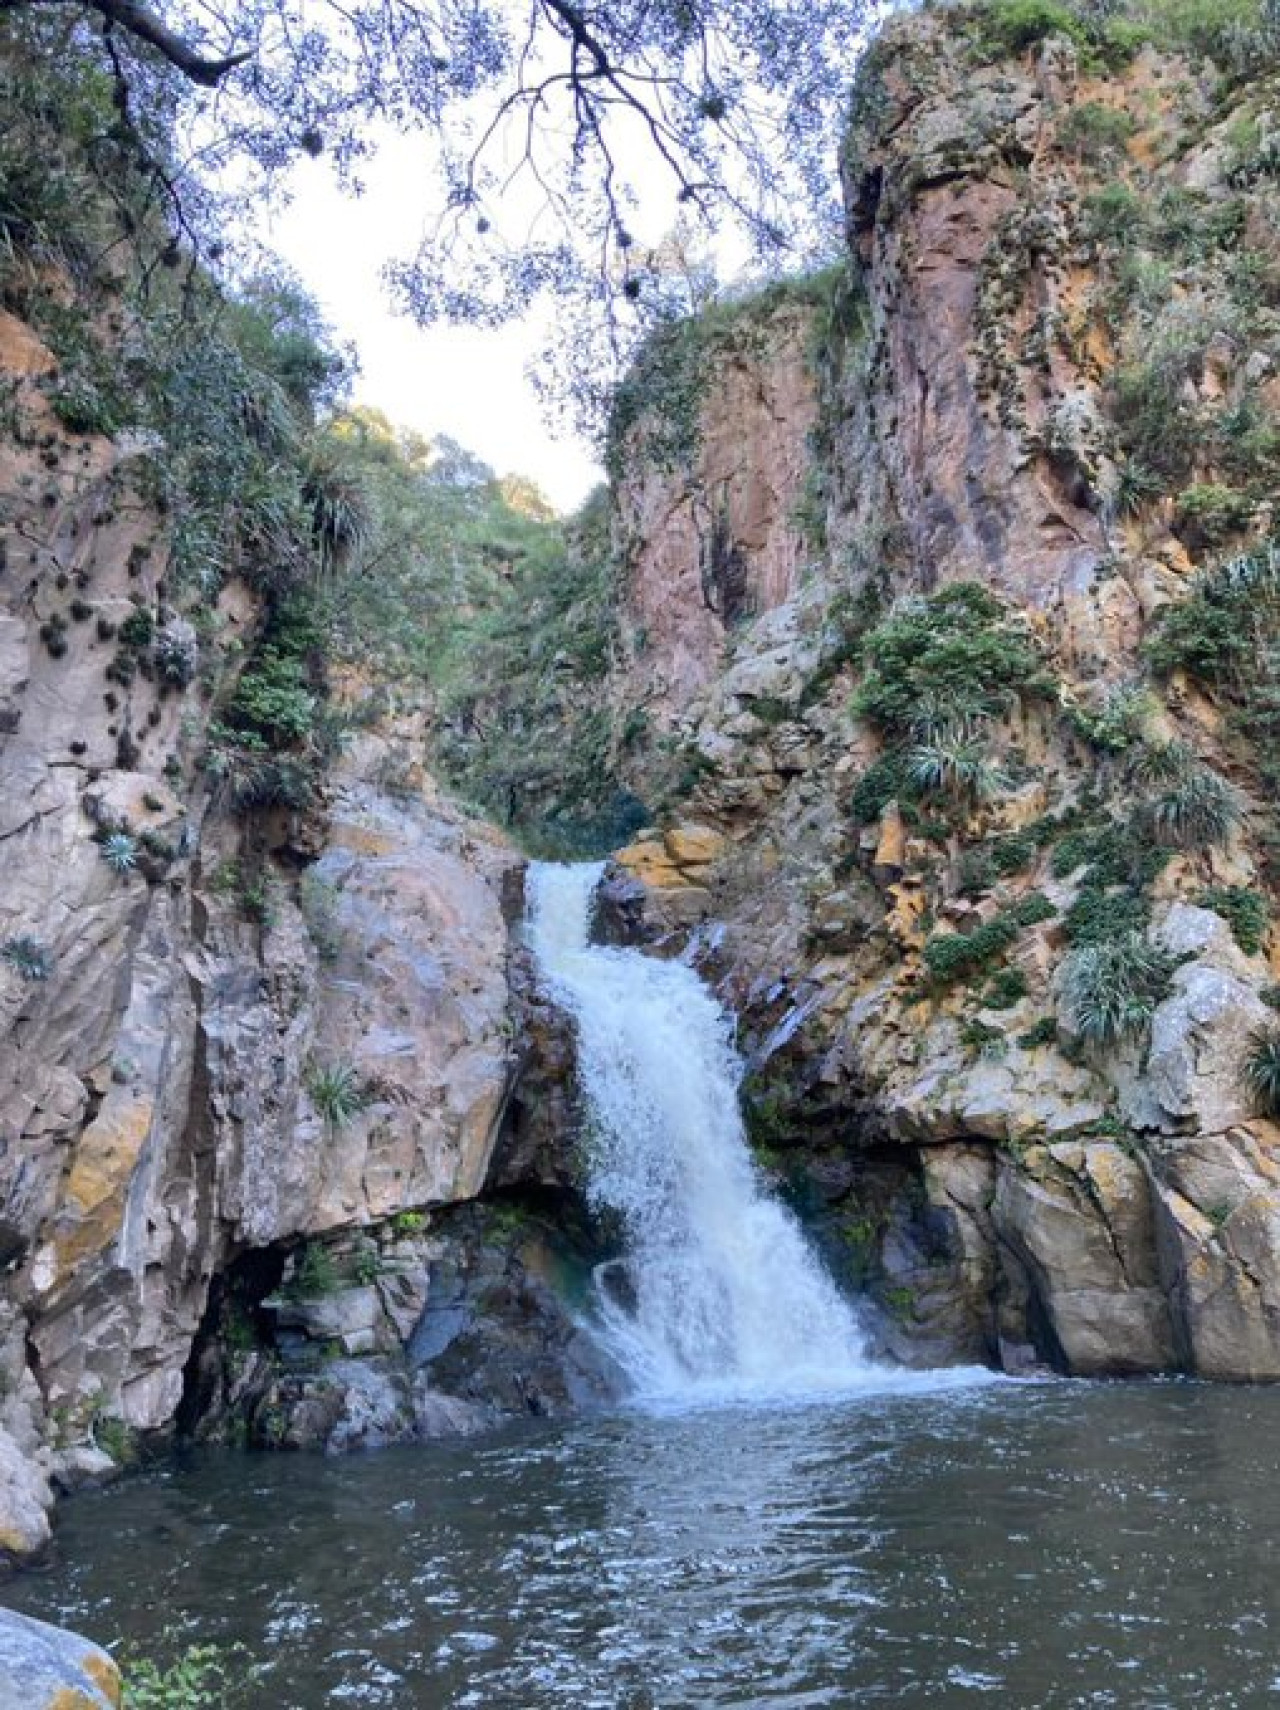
{"x":952,"y":762}
{"x":954,"y":956}
{"x":337,"y":1092}
{"x":1112,"y":987}
{"x":1262,"y":1071}
{"x":1200,"y":810}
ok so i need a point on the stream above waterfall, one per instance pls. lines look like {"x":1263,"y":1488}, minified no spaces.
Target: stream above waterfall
{"x":1025,"y":1545}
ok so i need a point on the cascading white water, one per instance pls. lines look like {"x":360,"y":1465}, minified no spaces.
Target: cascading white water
{"x":719,"y":1294}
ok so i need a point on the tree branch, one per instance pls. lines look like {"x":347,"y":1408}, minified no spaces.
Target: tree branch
{"x":139,"y":21}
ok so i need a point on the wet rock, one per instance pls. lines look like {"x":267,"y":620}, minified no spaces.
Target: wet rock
{"x":83,"y":1466}
{"x":1218,"y":1213}
{"x":25,"y":1501}
{"x":1079,"y":1216}
{"x":500,"y":1329}
{"x":350,"y":1317}
{"x":438,"y":1415}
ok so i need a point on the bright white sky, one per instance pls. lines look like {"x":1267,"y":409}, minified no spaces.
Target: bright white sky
{"x":465,"y":382}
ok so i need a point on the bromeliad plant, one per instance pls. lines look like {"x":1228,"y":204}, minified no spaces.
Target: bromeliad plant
{"x":1112,"y":986}
{"x":337,"y":1092}
{"x":28,"y":957}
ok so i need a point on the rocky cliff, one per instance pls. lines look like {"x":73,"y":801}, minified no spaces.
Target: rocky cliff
{"x":973,"y":823}
{"x":254,"y":1044}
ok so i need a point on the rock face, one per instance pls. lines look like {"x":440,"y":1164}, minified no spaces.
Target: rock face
{"x":235,"y":1050}
{"x":47,"y":1668}
{"x":709,"y":538}
{"x":906,"y":942}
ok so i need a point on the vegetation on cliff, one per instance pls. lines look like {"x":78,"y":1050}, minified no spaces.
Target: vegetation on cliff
{"x":400,"y":566}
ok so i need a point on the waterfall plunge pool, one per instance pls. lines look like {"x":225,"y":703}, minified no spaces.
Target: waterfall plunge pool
{"x":912,"y":1538}
{"x":1029,"y":1545}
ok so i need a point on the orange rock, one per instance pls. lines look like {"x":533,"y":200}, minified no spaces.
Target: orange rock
{"x":21,"y":352}
{"x":649,"y":862}
{"x":890,"y":856}
{"x":693,"y":845}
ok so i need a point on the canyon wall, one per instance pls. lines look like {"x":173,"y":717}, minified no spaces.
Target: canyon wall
{"x":946,"y":667}
{"x":975,"y":825}
{"x":250,"y":1057}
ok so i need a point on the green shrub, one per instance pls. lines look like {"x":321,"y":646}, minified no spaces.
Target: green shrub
{"x":84,"y":407}
{"x":1097,"y":916}
{"x":202,"y":1677}
{"x":885,"y":780}
{"x":1120,"y":722}
{"x":1006,"y":988}
{"x":1110,"y":854}
{"x":1214,"y":634}
{"x":273,"y":700}
{"x":1111,"y":988}
{"x":982,"y":1040}
{"x":255,"y":778}
{"x":1159,"y":431}
{"x":138,"y":628}
{"x":1113,"y":214}
{"x":981,"y":864}
{"x":176,"y":655}
{"x":1244,"y":910}
{"x":1009,"y":26}
{"x":1095,"y":132}
{"x":953,"y":956}
{"x":1042,"y":1032}
{"x":1209,"y":514}
{"x":314,"y":1274}
{"x":954,"y":657}
{"x":1205,"y":640}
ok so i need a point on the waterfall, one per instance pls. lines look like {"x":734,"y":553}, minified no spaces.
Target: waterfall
{"x":719,"y":1294}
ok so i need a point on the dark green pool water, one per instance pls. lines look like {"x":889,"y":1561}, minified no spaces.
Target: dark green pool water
{"x":1029,"y":1545}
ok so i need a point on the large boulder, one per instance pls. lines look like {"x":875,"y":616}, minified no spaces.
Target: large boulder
{"x":48,"y":1668}
{"x":1218,"y":1218}
{"x":1078,"y":1217}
